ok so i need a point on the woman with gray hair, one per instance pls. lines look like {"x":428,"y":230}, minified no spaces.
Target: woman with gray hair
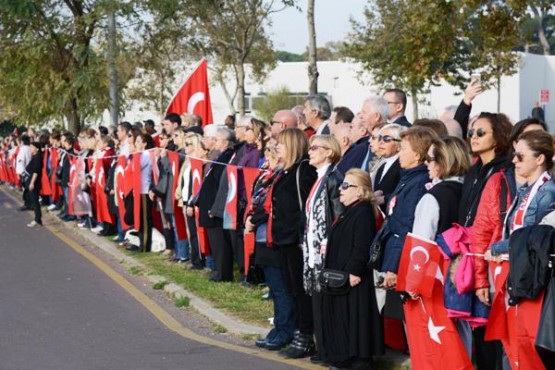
{"x":389,"y":173}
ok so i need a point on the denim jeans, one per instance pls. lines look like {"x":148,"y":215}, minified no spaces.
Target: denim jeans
{"x":181,"y":246}
{"x":284,"y":306}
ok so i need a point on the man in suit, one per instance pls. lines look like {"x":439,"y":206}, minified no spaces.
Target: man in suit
{"x":339,"y":116}
{"x":373,"y":114}
{"x":389,"y":173}
{"x":317,"y":111}
{"x":397,"y":102}
{"x":358,"y":151}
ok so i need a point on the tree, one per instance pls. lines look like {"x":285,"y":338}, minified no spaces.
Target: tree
{"x":233,"y":33}
{"x":285,"y":56}
{"x":275,"y":100}
{"x":412,"y":44}
{"x":535,"y":28}
{"x":312,"y":50}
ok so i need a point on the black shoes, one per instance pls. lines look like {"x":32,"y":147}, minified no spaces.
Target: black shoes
{"x":24,"y":208}
{"x":269,"y":345}
{"x":260,"y":343}
{"x":132,"y":248}
{"x":302,"y":346}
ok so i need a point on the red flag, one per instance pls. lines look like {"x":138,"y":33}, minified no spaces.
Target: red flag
{"x":180,"y":227}
{"x":197,"y":175}
{"x":433,"y":338}
{"x":102,"y":212}
{"x":496,"y":327}
{"x":119,"y":185}
{"x":136,"y":161}
{"x":419,"y":266}
{"x":249,"y":174}
{"x":45,"y":189}
{"x":194,"y":96}
{"x":56,"y":188}
{"x":230,"y":211}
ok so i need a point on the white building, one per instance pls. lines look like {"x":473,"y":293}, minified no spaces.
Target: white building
{"x":346,"y":86}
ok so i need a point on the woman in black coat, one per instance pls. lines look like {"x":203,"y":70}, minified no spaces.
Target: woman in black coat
{"x":352,"y":327}
{"x":289,"y":193}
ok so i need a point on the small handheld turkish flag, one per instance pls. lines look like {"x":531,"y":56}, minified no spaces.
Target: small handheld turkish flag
{"x":194,"y":96}
{"x":419,"y":266}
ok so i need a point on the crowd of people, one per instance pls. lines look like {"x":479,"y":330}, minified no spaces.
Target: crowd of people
{"x":303,"y":201}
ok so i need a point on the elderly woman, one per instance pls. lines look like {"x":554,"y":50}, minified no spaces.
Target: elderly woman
{"x":352,"y":328}
{"x":388,"y":173}
{"x":322,"y":208}
{"x":289,"y":194}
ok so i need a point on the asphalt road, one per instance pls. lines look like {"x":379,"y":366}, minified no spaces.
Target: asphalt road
{"x":59,"y":311}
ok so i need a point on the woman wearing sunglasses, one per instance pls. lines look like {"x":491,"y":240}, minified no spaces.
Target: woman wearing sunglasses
{"x":322,"y":208}
{"x":389,"y":172}
{"x":352,"y":326}
{"x":286,"y":229}
{"x":400,"y":209}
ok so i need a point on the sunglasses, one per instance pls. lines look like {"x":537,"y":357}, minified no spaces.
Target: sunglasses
{"x":429,"y":158}
{"x":387,"y":138}
{"x":188,"y":144}
{"x":345,"y":185}
{"x":519,"y":156}
{"x":479,"y":132}
{"x":316,"y":147}
{"x":274,"y":122}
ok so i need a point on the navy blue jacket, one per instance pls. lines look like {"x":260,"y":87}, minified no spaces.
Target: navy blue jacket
{"x":354,"y":156}
{"x":400,"y":213}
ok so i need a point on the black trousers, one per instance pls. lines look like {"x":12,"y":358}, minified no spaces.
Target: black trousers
{"x":317,"y":320}
{"x":238,"y":248}
{"x":145,"y":231}
{"x":196,"y":256}
{"x":292,"y":258}
{"x":33,"y":197}
{"x":222,"y":252}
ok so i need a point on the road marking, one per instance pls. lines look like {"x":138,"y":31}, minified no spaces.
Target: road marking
{"x":163,"y":316}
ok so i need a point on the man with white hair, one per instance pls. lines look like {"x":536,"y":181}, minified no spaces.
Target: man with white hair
{"x":374,"y":111}
{"x":358,"y":151}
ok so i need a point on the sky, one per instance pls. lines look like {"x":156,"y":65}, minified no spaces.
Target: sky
{"x":290,"y":28}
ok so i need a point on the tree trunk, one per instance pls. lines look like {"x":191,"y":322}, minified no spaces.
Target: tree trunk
{"x":112,"y":54}
{"x":498,"y":93}
{"x":414,"y":97}
{"x":240,"y":69}
{"x":541,"y":30}
{"x":312,"y":56}
{"x":72,"y":116}
{"x":161,"y":101}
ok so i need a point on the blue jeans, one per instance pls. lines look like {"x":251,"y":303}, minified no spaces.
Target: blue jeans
{"x":181,"y":246}
{"x":284,"y":306}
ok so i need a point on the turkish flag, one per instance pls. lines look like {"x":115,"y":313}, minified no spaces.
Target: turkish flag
{"x":419,"y":266}
{"x":250,"y":175}
{"x":54,"y":162}
{"x":45,"y":189}
{"x":496,"y":327}
{"x":102,"y":212}
{"x":180,"y":226}
{"x":197,"y":174}
{"x":434,"y":342}
{"x":194,"y":96}
{"x":230,"y":211}
{"x":119,"y":185}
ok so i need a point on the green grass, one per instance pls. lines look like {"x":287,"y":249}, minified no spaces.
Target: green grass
{"x":239,"y":301}
{"x":135,"y":270}
{"x":182,"y":302}
{"x":219,"y":329}
{"x":159,"y":285}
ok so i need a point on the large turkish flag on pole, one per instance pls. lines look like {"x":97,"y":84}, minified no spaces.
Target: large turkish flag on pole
{"x":194,"y":96}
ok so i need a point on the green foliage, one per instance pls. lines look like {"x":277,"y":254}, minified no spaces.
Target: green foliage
{"x":331,"y":50}
{"x":414,"y":43}
{"x":285,"y":56}
{"x":182,"y":302}
{"x":266,"y":106}
{"x":159,"y":285}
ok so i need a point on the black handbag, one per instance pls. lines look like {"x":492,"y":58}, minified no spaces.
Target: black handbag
{"x":377,"y":248}
{"x":545,"y":339}
{"x":25,"y":179}
{"x":160,"y":189}
{"x":334,"y":282}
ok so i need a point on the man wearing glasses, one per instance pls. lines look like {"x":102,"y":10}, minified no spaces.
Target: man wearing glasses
{"x":282,"y":119}
{"x":397,"y":102}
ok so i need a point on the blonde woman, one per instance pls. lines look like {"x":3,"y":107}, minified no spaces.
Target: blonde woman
{"x":352,"y":327}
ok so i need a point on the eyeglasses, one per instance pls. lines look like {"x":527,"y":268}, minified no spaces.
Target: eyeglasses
{"x":274,"y":122}
{"x":429,"y":158}
{"x":188,"y":144}
{"x":393,"y":102}
{"x":346,"y":185}
{"x":387,"y":138}
{"x":519,"y":156}
{"x":479,"y":132}
{"x":316,"y":147}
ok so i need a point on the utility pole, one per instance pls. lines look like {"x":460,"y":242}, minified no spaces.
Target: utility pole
{"x":112,"y":55}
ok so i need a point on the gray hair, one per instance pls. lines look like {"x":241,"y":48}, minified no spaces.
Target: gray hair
{"x":395,"y":129}
{"x":319,"y":103}
{"x":229,"y":133}
{"x":210,"y":130}
{"x":379,"y":105}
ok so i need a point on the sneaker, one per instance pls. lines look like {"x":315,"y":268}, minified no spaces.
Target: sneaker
{"x":97,"y":229}
{"x":51,"y":207}
{"x":33,"y":224}
{"x":116,"y":238}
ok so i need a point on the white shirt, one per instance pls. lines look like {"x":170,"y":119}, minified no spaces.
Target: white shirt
{"x":23,"y":158}
{"x":321,"y":128}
